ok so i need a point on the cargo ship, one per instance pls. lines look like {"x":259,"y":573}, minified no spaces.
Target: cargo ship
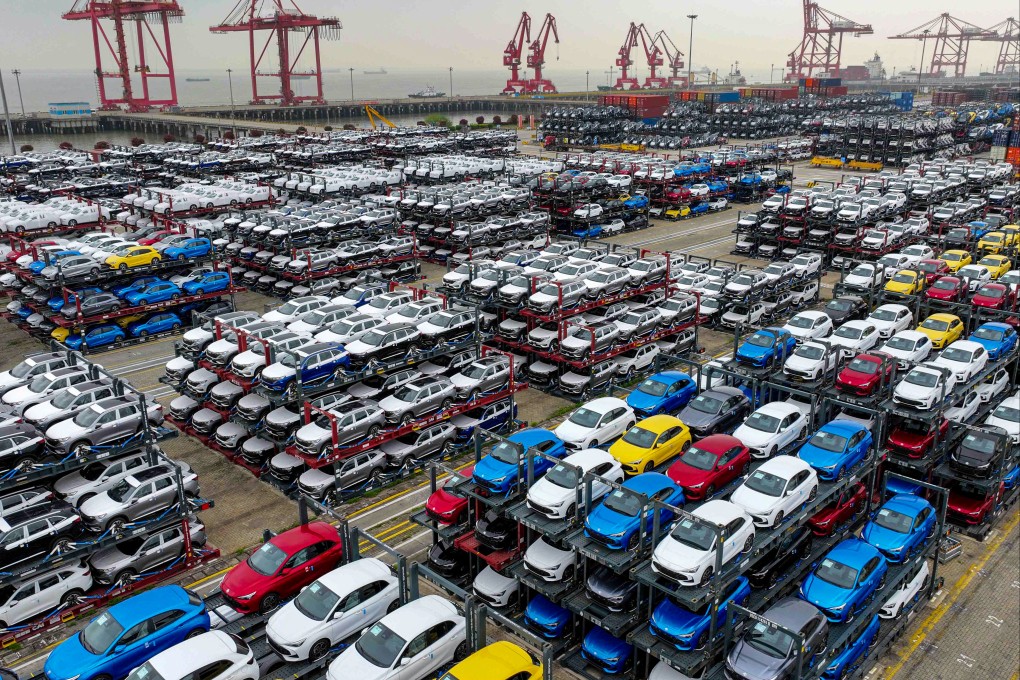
{"x":380,"y":72}
{"x":428,"y":93}
{"x":196,"y":80}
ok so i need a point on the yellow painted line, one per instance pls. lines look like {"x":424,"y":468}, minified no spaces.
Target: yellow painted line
{"x":929,"y":623}
{"x":383,"y":535}
{"x":209,"y":577}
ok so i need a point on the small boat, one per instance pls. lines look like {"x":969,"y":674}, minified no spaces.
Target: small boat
{"x":380,"y":72}
{"x":428,"y":93}
{"x":196,"y":80}
{"x":300,"y":77}
{"x":604,"y":88}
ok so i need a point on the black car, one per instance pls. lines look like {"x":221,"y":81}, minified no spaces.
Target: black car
{"x":981,"y":453}
{"x":715,"y":410}
{"x":767,"y":652}
{"x":448,"y":561}
{"x":20,"y":445}
{"x":37,"y":531}
{"x":845,"y":308}
{"x":614,"y":591}
{"x":779,"y":559}
{"x":495,"y":532}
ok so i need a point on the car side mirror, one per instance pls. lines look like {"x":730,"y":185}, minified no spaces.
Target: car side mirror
{"x":406,"y":660}
{"x":364,"y":631}
{"x":117,"y":649}
{"x":337,"y":615}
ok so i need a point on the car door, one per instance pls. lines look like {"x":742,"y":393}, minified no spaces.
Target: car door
{"x":217,"y":670}
{"x":437,"y":648}
{"x":136,"y":645}
{"x":797,"y":491}
{"x":150,"y":553}
{"x":168,"y":628}
{"x":23,"y":604}
{"x":727,"y":467}
{"x":354,"y":613}
{"x":787,"y":432}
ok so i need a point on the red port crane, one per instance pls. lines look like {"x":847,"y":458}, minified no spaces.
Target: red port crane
{"x":1008,"y":33}
{"x":675,"y":60}
{"x":536,"y":56}
{"x":124,"y":13}
{"x":281,"y":20}
{"x":952,"y":40}
{"x":821,"y":47}
{"x":512,"y":54}
{"x":626,"y":81}
{"x":653,"y":57}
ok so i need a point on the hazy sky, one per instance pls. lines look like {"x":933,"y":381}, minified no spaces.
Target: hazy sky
{"x":472,"y":35}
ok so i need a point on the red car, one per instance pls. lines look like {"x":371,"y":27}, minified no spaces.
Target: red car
{"x":970,"y":508}
{"x":156,"y":237}
{"x":948,"y":289}
{"x":863,"y":375}
{"x":447,"y":506}
{"x":932,"y":270}
{"x":281,"y":567}
{"x":849,"y":503}
{"x":710,"y":464}
{"x":678,"y":195}
{"x":915,"y":438}
{"x":994,"y":296}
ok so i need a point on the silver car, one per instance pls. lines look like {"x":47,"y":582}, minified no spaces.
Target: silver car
{"x":354,"y":422}
{"x":140,"y":495}
{"x":103,"y":422}
{"x":418,"y":398}
{"x":122,"y":563}
{"x":419,"y":444}
{"x":484,"y":375}
{"x":81,"y":485}
{"x":67,"y":402}
{"x":351,"y":473}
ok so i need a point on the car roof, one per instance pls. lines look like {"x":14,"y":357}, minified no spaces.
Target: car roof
{"x":784,"y":466}
{"x":942,"y":316}
{"x":589,"y":458}
{"x":139,"y":607}
{"x":499,"y":659}
{"x":726,"y":390}
{"x":418,"y":615}
{"x":649,"y":482}
{"x":531,"y":436}
{"x":852,"y":552}
{"x":792,"y":613}
{"x":669,"y":377}
{"x":658,"y":423}
{"x":188,"y":656}
{"x":604,"y":404}
{"x":907,"y":503}
{"x":719,"y":511}
{"x":304,"y":535}
{"x":997,"y":325}
{"x":355,"y":574}
{"x":777,"y":408}
{"x":842,"y":427}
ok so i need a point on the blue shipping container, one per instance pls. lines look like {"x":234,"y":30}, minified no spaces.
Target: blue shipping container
{"x":1014,"y":139}
{"x":729,"y":97}
{"x":1000,"y":138}
{"x":649,"y":121}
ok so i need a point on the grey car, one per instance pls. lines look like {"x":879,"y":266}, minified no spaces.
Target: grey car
{"x":143,"y":494}
{"x":199,"y":382}
{"x":418,"y":398}
{"x":351,"y":473}
{"x":487,"y":374}
{"x":122,"y":563}
{"x":103,"y":422}
{"x":354,"y":422}
{"x":75,"y":267}
{"x":766,"y":652}
{"x":419,"y":444}
{"x":97,"y":303}
{"x":81,"y":485}
{"x":638,"y":322}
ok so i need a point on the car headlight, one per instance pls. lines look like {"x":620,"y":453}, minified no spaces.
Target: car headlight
{"x":698,"y":485}
{"x":617,"y":534}
{"x":246,"y":597}
{"x":839,"y":608}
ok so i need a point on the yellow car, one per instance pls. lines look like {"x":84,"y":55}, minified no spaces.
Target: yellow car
{"x":997,"y":265}
{"x":499,"y":661}
{"x":133,"y":256}
{"x":906,"y":282}
{"x":125,"y":321}
{"x":678,"y":212}
{"x":942,"y":329}
{"x":955,"y":259}
{"x":994,"y":242}
{"x":651,"y":443}
{"x":60,"y":334}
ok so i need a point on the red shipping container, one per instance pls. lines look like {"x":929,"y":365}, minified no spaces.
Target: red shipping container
{"x":1013,"y":156}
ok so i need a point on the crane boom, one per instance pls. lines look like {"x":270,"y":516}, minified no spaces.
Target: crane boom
{"x":536,"y":56}
{"x":1008,"y":33}
{"x":627,"y":81}
{"x":373,"y":115}
{"x":675,"y":60}
{"x":512,"y":54}
{"x":822,"y":44}
{"x":952,"y":41}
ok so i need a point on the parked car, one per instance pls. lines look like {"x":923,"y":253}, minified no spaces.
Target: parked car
{"x":140,"y":495}
{"x":688,"y":554}
{"x":776,"y":490}
{"x":498,"y":471}
{"x":778,"y":561}
{"x":122,"y":563}
{"x":44,"y":592}
{"x":597,"y":422}
{"x":555,"y":494}
{"x":711,"y":463}
{"x":650,"y":443}
{"x":845,"y":580}
{"x":715,"y":410}
{"x":621,"y":523}
{"x":214,"y":654}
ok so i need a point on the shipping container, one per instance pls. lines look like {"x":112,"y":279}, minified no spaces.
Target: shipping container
{"x":1013,"y":156}
{"x":998,"y":153}
{"x":1014,"y":139}
{"x":1001,"y":138}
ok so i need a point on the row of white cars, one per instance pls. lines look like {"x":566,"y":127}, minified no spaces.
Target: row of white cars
{"x":17,"y":217}
{"x":192,"y":196}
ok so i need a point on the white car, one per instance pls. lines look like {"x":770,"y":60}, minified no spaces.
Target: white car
{"x":1007,"y":416}
{"x":865,"y":276}
{"x":855,"y":337}
{"x":550,"y":561}
{"x":807,"y":264}
{"x":387,"y":304}
{"x":687,"y":554}
{"x":907,"y":595}
{"x":772,"y":428}
{"x":809,"y":325}
{"x":965,"y":410}
{"x":776,"y":490}
{"x":976,"y":274}
{"x":600,"y":421}
{"x":415,"y":640}
{"x":965,"y":358}
{"x":993,"y":385}
{"x":589,"y":210}
{"x":810,"y":361}
{"x":291,"y":310}
{"x":555,"y":494}
{"x":890,"y":319}
{"x":495,"y":589}
{"x":43,"y":593}
{"x":892,"y":263}
{"x":214,"y":655}
{"x":690,"y":282}
{"x":909,"y":348}
{"x":332,"y":608}
{"x":634,"y":360}
{"x":916,"y":253}
{"x":348,"y":330}
{"x":922,"y":388}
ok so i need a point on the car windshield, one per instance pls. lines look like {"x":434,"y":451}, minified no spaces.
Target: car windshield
{"x":506,"y":452}
{"x":88,"y":417}
{"x":267,"y":559}
{"x":316,"y":601}
{"x":40,"y":383}
{"x":836,"y":573}
{"x":563,"y":476}
{"x":474,"y":371}
{"x":762,"y":422}
{"x":800,"y":321}
{"x":100,"y":633}
{"x":765,"y":483}
{"x":904,"y":277}
{"x":992,"y":292}
{"x":373,"y":338}
{"x":742,"y":280}
{"x":769,"y":640}
{"x":342,"y":327}
{"x":585,"y":417}
{"x":22,"y":369}
{"x":380,"y":645}
{"x":624,"y":503}
{"x":652,"y":387}
{"x":145,"y":672}
{"x":827,"y":441}
{"x":813,"y":352}
{"x":699,"y":458}
{"x":979,"y":444}
{"x":407,"y":393}
{"x":865,"y":366}
{"x":922,"y":378}
{"x":698,"y":535}
{"x":956,"y":354}
{"x":1011,"y":414}
{"x":935,"y":325}
{"x":894,"y":521}
{"x":863,"y":270}
{"x":706,"y":404}
{"x":881,"y":314}
{"x":760,"y":340}
{"x":836,"y":306}
{"x":849,"y":332}
{"x":640,"y":437}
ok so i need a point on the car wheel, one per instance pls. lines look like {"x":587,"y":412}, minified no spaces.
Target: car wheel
{"x":142,"y":334}
{"x":779,"y":518}
{"x":195,"y":633}
{"x":154,"y":261}
{"x":81,"y":448}
{"x":881,"y":583}
{"x":699,"y":643}
{"x":319,"y":650}
{"x":142,"y":302}
{"x":709,"y":491}
{"x":175,"y":296}
{"x":840,"y":474}
{"x":394,"y":606}
{"x":407,"y":419}
{"x":270,"y":602}
{"x":199,"y":291}
{"x":813,"y":494}
{"x":707,"y":575}
{"x":122,"y":267}
{"x":748,"y":544}
{"x":632,"y":542}
{"x":462,"y":652}
{"x":373,"y":431}
{"x":447,"y":403}
{"x":72,"y":597}
{"x":124,"y":578}
{"x":116,"y":524}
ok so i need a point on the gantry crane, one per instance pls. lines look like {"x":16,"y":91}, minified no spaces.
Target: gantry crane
{"x":675,"y":60}
{"x":512,"y":54}
{"x":123,"y":13}
{"x":822,"y":45}
{"x":536,"y":56}
{"x":282,"y":19}
{"x":1008,"y":33}
{"x":653,"y":57}
{"x":952,"y":40}
{"x":626,"y":81}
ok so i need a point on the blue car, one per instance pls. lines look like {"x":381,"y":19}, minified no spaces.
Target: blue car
{"x":855,"y":652}
{"x":492,"y":417}
{"x":128,"y":634}
{"x":601,"y":649}
{"x":978,"y":228}
{"x":899,"y":485}
{"x":193,"y":247}
{"x":616,"y":521}
{"x":96,"y":336}
{"x":207,"y":283}
{"x":56,"y":303}
{"x":497,"y":472}
{"x":24,"y":312}
{"x":38,"y":265}
{"x":687,"y":630}
{"x":717,"y":186}
{"x":699,"y":208}
{"x":546,"y":618}
{"x":663,"y":392}
{"x":315,"y":364}
{"x":638,"y":201}
{"x":591,"y":231}
{"x":998,"y":338}
{"x":138,"y":284}
{"x":157,"y":323}
{"x":766,"y":346}
{"x":836,"y":447}
{"x":901,"y":526}
{"x":845,"y":580}
{"x":1011,"y":478}
{"x":156,"y":292}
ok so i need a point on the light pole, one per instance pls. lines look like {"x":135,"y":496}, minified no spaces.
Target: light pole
{"x":609,"y":80}
{"x":690,"y":52}
{"x":924,"y":43}
{"x":351,"y":69}
{"x":17,"y":79}
{"x":230,"y":82}
{"x":587,"y":88}
{"x":7,"y":114}
{"x":451,"y":82}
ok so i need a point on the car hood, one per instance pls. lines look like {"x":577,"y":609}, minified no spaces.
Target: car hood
{"x":242,"y":580}
{"x":460,"y":380}
{"x":751,"y":663}
{"x":696,"y":419}
{"x":249,"y":358}
{"x":817,"y":457}
{"x":395,"y":448}
{"x":678,"y":556}
{"x":490,"y":469}
{"x":822,"y":594}
{"x":69,"y":483}
{"x":608,"y":522}
{"x":801,"y":363}
{"x":289,"y":625}
{"x":99,"y":505}
{"x":350,"y":664}
{"x":905,"y":389}
{"x":642,"y":401}
{"x":880,"y":537}
{"x":107,"y":559}
{"x":541,"y":554}
{"x":547,"y":494}
{"x":673,"y":619}
{"x":18,"y":395}
{"x":753,"y":501}
{"x":65,"y":429}
{"x":571,"y":432}
{"x":391,"y":403}
{"x":41,"y":411}
{"x":69,"y":659}
{"x":275,"y":372}
{"x":686,"y":475}
{"x":491,"y":582}
{"x":572,"y":378}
